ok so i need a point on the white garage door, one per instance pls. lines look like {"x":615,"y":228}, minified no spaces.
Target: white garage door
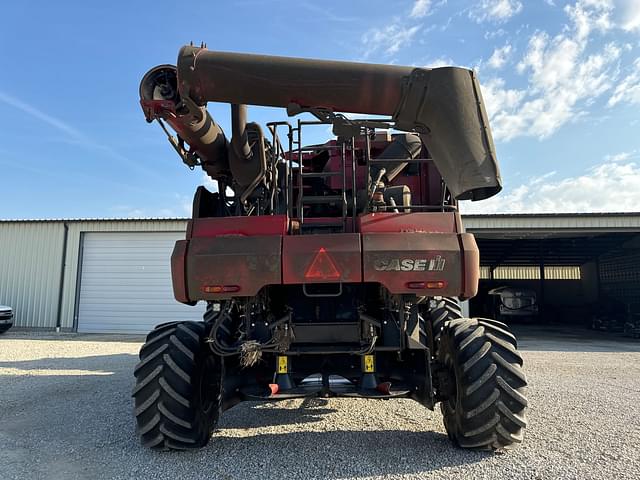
{"x":125,"y":284}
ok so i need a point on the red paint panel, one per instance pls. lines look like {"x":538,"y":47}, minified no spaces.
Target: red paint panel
{"x":247,"y":262}
{"x":471,"y":265}
{"x":178,"y":271}
{"x":396,"y":260}
{"x":241,"y":226}
{"x":341,"y":251}
{"x":427,"y":222}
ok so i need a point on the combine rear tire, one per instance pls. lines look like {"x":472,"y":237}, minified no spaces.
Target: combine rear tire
{"x":446,"y":309}
{"x":483,"y":384}
{"x":178,"y":388}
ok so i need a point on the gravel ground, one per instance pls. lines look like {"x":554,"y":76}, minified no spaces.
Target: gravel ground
{"x":65,"y":412}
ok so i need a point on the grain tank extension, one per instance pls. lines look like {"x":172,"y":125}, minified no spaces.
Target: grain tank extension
{"x":328,"y":269}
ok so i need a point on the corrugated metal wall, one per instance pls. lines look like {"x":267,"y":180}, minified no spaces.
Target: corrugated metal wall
{"x":620,"y":275}
{"x":552,"y":222}
{"x":31,"y":258}
{"x":30,"y":263}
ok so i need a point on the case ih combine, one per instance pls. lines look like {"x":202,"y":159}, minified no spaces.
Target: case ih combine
{"x":330,"y":269}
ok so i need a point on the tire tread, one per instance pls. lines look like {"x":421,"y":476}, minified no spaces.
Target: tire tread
{"x":490,"y":405}
{"x":166,"y":400}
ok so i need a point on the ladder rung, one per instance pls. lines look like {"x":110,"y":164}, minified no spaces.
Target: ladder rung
{"x":399,"y":160}
{"x":308,"y":223}
{"x":321,"y":147}
{"x":320,"y":174}
{"x":323,"y":199}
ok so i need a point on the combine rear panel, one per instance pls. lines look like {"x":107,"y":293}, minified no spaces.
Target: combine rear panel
{"x":414,"y":253}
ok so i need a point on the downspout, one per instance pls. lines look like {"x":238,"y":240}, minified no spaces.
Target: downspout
{"x":62,"y":267}
{"x":239,"y":138}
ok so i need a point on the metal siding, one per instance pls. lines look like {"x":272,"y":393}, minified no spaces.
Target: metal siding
{"x":575,"y":222}
{"x":30,"y":262}
{"x":125,"y":283}
{"x":620,"y":275}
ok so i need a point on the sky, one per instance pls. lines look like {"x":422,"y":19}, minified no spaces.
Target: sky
{"x":561,"y":83}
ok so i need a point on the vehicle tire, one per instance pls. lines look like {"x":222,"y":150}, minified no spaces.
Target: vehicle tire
{"x":483,"y":384}
{"x":4,"y":328}
{"x":446,"y":309}
{"x":178,"y":388}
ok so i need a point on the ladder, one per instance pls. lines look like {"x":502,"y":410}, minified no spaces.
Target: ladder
{"x":306,"y":200}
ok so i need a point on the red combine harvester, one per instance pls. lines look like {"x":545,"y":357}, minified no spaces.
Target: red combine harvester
{"x":331,"y":269}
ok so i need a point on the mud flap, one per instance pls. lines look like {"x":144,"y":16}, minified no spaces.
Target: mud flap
{"x":421,"y":379}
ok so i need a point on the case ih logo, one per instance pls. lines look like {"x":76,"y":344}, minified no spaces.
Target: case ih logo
{"x":435,"y":264}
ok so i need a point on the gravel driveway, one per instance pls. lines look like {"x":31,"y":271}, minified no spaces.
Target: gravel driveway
{"x":65,"y":412}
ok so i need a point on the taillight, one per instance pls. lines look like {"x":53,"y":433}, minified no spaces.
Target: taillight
{"x":438,"y":284}
{"x":220,"y":288}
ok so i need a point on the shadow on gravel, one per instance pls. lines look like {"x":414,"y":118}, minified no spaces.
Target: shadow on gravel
{"x":257,"y":415}
{"x":346,"y":454}
{"x":333,"y":454}
{"x":100,"y":364}
{"x":35,"y":335}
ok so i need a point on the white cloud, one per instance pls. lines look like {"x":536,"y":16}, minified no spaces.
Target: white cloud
{"x":589,"y":15}
{"x":420,"y":8}
{"x":628,"y":90}
{"x":401,"y":31}
{"x":500,"y":56}
{"x":500,"y":32}
{"x":389,"y":39}
{"x":499,"y":99}
{"x":627,"y":15}
{"x":563,"y":77}
{"x":440,"y":62}
{"x":619,"y":157}
{"x":209,"y":183}
{"x":541,"y":178}
{"x":608,"y":187}
{"x":495,"y":10}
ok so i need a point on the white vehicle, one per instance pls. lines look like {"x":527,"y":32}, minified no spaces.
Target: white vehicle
{"x":514,"y":302}
{"x":6,"y":318}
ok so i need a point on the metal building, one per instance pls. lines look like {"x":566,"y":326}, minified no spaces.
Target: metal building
{"x":91,"y":275}
{"x":114,"y":275}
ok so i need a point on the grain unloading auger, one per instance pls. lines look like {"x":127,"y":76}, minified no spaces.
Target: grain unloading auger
{"x":331,"y":269}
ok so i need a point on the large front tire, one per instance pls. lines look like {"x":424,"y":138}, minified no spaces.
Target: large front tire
{"x":483,"y":383}
{"x":178,"y":388}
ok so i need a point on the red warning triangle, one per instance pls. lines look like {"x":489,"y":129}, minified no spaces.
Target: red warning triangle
{"x":322,"y":267}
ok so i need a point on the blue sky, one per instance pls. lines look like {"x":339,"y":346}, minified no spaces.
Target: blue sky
{"x":561,"y":81}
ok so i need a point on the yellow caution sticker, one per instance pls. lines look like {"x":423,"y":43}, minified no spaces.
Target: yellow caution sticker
{"x":283,"y":364}
{"x":369,"y":364}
